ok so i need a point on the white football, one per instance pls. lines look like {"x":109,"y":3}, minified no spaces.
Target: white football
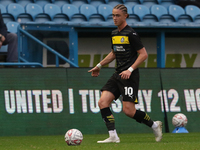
{"x":73,"y":137}
{"x":179,"y":120}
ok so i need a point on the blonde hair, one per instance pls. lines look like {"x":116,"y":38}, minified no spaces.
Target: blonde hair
{"x":122,"y":8}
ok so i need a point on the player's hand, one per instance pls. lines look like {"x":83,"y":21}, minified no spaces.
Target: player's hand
{"x":95,"y":71}
{"x":3,"y":39}
{"x":125,"y":74}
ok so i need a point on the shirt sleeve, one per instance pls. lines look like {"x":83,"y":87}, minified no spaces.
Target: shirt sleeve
{"x":135,"y":41}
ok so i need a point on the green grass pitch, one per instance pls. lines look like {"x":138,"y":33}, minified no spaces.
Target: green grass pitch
{"x":170,"y":141}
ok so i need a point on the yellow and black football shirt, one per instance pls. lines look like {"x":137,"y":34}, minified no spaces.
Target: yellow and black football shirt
{"x":125,"y":45}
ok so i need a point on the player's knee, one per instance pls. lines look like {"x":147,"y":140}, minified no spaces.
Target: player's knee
{"x":102,"y":104}
{"x":129,"y":112}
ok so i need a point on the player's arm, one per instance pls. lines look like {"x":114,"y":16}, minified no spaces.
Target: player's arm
{"x":109,"y":58}
{"x":141,"y":58}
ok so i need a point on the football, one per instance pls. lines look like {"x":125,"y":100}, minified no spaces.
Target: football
{"x":179,"y":120}
{"x":73,"y":137}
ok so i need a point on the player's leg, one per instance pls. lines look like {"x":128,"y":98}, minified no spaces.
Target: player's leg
{"x":104,"y":104}
{"x":142,"y":117}
{"x":129,"y":90}
{"x":11,"y":41}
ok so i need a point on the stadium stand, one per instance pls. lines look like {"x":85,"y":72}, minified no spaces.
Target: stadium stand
{"x":3,"y":9}
{"x":42,"y":2}
{"x":52,"y":10}
{"x":193,"y":12}
{"x":176,"y":11}
{"x":60,"y":3}
{"x":96,"y":3}
{"x":114,"y":2}
{"x":179,"y":15}
{"x":88,"y":10}
{"x":132,"y":3}
{"x":148,"y":3}
{"x":18,"y":13}
{"x":106,"y":11}
{"x":6,"y":16}
{"x":129,"y":9}
{"x":78,"y":3}
{"x":158,"y":11}
{"x":166,"y":3}
{"x":69,"y":10}
{"x":92,"y":13}
{"x":7,"y":2}
{"x":24,"y":2}
{"x":15,"y":10}
{"x":12,"y":26}
{"x":141,"y":11}
{"x":33,"y":10}
{"x":144,"y":12}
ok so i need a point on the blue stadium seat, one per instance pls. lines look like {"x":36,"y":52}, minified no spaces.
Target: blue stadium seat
{"x":33,"y":10}
{"x":3,"y":9}
{"x":96,"y":3}
{"x":132,"y":18}
{"x":161,"y":14}
{"x":113,"y":3}
{"x":42,"y":18}
{"x":4,"y":49}
{"x":105,"y":10}
{"x":76,"y":20}
{"x":37,"y":13}
{"x":158,"y":11}
{"x":6,"y":16}
{"x":15,"y":10}
{"x":179,"y":14}
{"x":60,"y":3}
{"x":42,"y":3}
{"x":87,"y":10}
{"x":129,"y":9}
{"x":90,"y":12}
{"x":132,"y":3}
{"x":6,"y":2}
{"x":192,"y":11}
{"x":12,"y":26}
{"x":52,"y":10}
{"x":166,"y":3}
{"x":141,"y":11}
{"x":69,"y":10}
{"x":176,"y":11}
{"x":24,"y":2}
{"x":148,"y":3}
{"x":145,"y":17}
{"x":78,"y":3}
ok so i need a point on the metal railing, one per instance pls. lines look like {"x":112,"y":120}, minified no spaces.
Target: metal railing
{"x":24,"y":62}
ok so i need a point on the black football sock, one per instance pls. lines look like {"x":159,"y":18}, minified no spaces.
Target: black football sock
{"x":108,"y":118}
{"x":142,"y":117}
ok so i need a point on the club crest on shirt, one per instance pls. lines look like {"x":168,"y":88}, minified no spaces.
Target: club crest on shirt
{"x":122,"y":39}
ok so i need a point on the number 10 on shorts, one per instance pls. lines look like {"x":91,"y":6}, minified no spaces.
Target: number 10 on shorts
{"x":128,"y":91}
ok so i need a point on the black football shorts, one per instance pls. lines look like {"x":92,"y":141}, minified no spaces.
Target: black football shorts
{"x":127,"y":88}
